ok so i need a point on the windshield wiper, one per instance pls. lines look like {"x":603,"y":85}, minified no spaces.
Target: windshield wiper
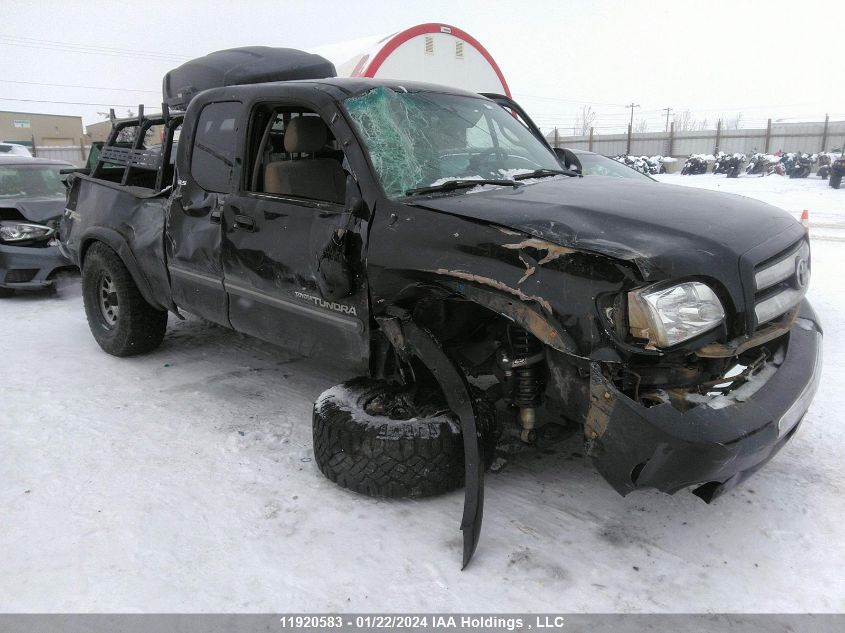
{"x":451,"y":185}
{"x":543,"y":173}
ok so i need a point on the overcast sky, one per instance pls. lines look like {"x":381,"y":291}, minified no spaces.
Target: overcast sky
{"x":764,"y":59}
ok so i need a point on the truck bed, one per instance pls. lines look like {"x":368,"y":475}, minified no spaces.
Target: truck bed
{"x":129,"y":219}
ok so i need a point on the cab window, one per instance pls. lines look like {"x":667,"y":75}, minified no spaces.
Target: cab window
{"x":294,"y":155}
{"x":213,"y":152}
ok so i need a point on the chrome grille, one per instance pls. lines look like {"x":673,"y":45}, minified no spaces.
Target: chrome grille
{"x":781,"y":282}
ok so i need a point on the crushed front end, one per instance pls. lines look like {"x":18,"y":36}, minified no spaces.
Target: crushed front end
{"x":713,"y":436}
{"x":710,"y":413}
{"x":29,"y":254}
{"x":32,"y":199}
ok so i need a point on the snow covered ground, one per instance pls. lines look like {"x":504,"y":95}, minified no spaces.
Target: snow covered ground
{"x":826,"y":206}
{"x":184,"y":481}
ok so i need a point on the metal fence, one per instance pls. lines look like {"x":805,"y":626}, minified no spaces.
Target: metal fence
{"x":789,"y":137}
{"x":74,"y":154}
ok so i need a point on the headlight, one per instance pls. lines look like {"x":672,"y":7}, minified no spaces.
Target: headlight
{"x":671,"y":315}
{"x":11,"y":231}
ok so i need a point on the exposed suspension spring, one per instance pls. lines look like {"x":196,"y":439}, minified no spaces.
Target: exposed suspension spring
{"x":527,"y":355}
{"x":523,"y":363}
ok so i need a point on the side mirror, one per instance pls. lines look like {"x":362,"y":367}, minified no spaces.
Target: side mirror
{"x":354,"y":202}
{"x":568,"y":159}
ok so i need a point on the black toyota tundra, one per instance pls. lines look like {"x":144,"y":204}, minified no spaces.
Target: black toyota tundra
{"x":427,"y":241}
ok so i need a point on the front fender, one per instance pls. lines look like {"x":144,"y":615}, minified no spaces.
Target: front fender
{"x":549,"y":289}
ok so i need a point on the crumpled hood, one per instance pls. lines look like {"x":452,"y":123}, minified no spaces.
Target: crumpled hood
{"x":666,"y":230}
{"x":40,"y":210}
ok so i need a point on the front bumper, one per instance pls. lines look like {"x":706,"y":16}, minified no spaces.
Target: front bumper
{"x":713,"y":446}
{"x":28,"y":267}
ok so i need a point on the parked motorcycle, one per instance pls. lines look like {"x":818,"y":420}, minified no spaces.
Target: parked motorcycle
{"x":788,"y":161}
{"x":651,"y":165}
{"x":696,"y":164}
{"x":642,"y":164}
{"x":734,"y":164}
{"x":764,"y":165}
{"x":658,"y":162}
{"x":824,"y":166}
{"x":837,"y":170}
{"x":802,"y":165}
{"x":721,"y":164}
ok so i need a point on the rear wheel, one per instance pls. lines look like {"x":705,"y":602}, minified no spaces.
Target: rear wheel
{"x":377,"y":439}
{"x":121,"y":320}
{"x":835,"y":181}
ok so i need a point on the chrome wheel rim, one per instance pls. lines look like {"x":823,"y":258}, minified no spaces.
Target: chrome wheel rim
{"x":107,"y":295}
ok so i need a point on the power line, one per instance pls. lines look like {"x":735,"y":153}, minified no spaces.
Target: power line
{"x":35,"y":83}
{"x":584,"y":102}
{"x":90,"y":47}
{"x":112,"y":105}
{"x":146,"y":55}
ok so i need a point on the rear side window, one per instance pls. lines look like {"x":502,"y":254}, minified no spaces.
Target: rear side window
{"x":214,"y":146}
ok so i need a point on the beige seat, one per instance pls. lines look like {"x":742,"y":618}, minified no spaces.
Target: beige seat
{"x":310,"y":177}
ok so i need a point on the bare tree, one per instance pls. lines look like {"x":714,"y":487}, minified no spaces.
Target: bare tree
{"x":584,"y":121}
{"x":734,"y":123}
{"x":701,"y":125}
{"x":641,"y":126}
{"x":684,"y":121}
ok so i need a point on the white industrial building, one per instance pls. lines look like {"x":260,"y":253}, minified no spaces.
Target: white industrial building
{"x":433,"y":52}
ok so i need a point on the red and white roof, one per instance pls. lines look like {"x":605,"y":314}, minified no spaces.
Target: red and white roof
{"x":433,"y":52}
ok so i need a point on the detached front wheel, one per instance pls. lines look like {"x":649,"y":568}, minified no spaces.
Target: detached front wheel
{"x":373,"y":438}
{"x":121,"y":320}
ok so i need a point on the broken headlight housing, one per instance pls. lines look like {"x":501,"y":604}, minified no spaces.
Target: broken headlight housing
{"x":12,"y":231}
{"x":670,"y":315}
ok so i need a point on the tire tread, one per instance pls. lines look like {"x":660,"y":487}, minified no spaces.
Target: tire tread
{"x":141,"y":327}
{"x":399,"y":459}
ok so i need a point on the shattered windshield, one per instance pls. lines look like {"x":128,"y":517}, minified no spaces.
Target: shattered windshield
{"x":419,"y":139}
{"x":30,"y":181}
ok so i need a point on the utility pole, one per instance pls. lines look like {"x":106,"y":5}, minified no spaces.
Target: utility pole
{"x":632,"y":106}
{"x":631,"y":125}
{"x":668,"y":111}
{"x":824,"y":132}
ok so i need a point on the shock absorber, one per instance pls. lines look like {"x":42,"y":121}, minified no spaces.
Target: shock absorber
{"x":525,"y":364}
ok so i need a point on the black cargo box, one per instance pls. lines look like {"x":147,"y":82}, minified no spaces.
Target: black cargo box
{"x":235,"y":66}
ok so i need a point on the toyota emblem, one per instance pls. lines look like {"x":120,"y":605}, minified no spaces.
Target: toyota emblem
{"x":802,"y":272}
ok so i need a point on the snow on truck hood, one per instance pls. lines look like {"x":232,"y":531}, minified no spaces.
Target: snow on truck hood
{"x":666,"y":230}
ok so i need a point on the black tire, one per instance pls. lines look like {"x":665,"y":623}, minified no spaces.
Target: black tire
{"x":383,"y":457}
{"x":121,"y":320}
{"x":6,"y":292}
{"x":835,"y":181}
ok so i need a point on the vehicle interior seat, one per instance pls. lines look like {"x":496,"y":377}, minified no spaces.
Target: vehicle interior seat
{"x":308,"y":176}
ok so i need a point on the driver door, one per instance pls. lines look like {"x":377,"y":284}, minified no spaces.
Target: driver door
{"x":293,"y":245}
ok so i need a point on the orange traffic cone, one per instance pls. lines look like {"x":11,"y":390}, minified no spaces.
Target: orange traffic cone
{"x":805,"y":219}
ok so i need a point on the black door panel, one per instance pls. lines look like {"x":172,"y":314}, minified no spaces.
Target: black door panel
{"x":272,"y":254}
{"x":195,"y":235}
{"x":193,"y":255}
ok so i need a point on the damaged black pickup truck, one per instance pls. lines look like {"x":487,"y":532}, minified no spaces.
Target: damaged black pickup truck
{"x":428,"y":241}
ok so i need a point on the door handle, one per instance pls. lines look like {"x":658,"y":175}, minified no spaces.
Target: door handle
{"x":244,"y":222}
{"x":216,"y":217}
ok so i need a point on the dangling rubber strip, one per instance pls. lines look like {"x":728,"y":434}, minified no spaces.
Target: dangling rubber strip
{"x":457,"y":393}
